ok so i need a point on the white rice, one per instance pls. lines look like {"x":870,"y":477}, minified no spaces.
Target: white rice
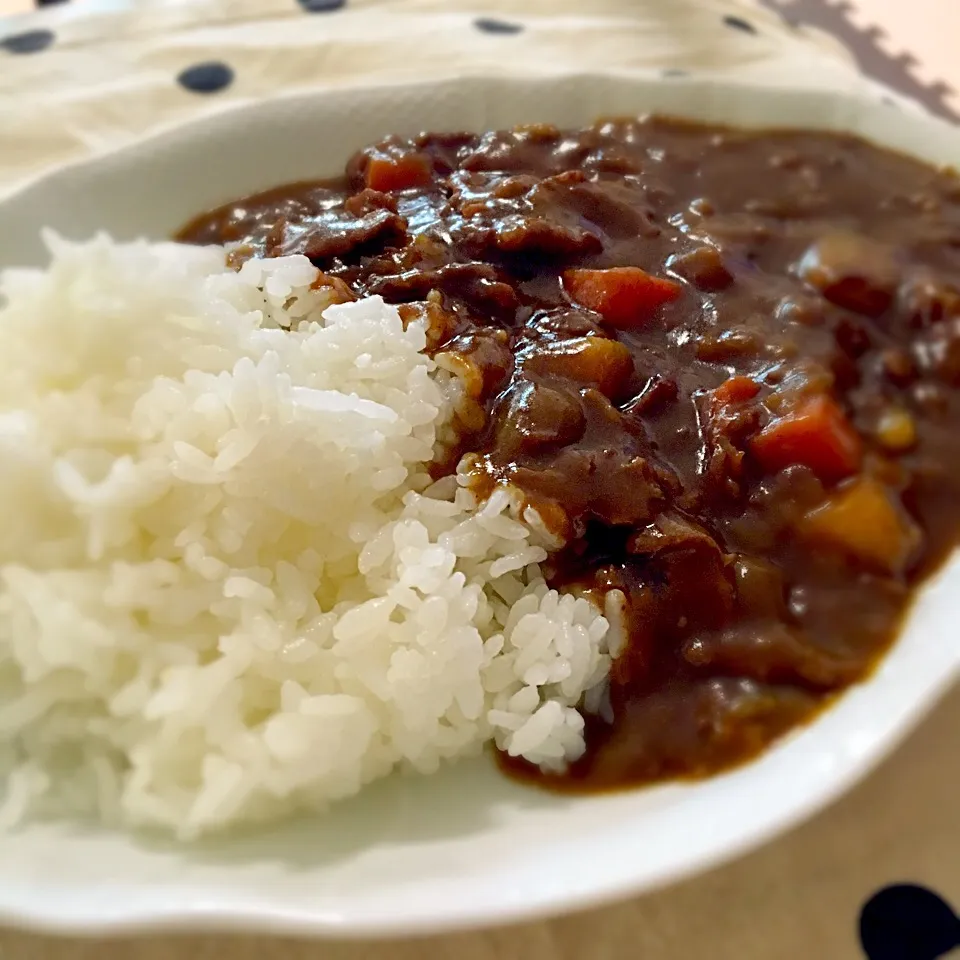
{"x":228,"y":590}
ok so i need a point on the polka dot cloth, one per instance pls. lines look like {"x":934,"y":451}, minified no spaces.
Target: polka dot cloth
{"x":213,"y":76}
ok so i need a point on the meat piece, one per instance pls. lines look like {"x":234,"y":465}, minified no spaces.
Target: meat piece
{"x":532,"y":417}
{"x":513,"y":215}
{"x":537,"y":236}
{"x":730,"y":346}
{"x":774,"y":510}
{"x":671,"y":531}
{"x":852,"y":271}
{"x":618,"y":485}
{"x":931,"y":398}
{"x":476,"y":196}
{"x":673,"y":560}
{"x":478,"y":286}
{"x":609,"y":486}
{"x":723,"y":468}
{"x":342,"y":236}
{"x":657,"y":392}
{"x":562,"y":323}
{"x":612,"y":209}
{"x":727,"y":420}
{"x":611,"y":160}
{"x":367,"y":201}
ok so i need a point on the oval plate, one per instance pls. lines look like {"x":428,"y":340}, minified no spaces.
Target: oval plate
{"x":465,"y":847}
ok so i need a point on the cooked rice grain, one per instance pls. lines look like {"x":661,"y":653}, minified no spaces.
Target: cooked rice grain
{"x":229,"y":589}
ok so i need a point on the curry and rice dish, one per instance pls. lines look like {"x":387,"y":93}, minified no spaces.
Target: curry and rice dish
{"x":721,"y":367}
{"x":624,"y":450}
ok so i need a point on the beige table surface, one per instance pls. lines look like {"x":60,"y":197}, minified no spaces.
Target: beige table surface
{"x":796,"y":898}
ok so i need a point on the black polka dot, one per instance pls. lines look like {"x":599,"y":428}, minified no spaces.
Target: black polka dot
{"x":322,"y":6}
{"x":47,"y":3}
{"x":206,"y":77}
{"x":906,"y":920}
{"x":489,"y":25}
{"x":738,"y":23}
{"x":33,"y":41}
{"x":673,"y":72}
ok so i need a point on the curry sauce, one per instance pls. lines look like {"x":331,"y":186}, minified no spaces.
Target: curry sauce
{"x":722,"y":365}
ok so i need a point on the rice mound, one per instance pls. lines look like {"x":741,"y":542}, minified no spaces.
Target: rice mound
{"x":228,"y":588}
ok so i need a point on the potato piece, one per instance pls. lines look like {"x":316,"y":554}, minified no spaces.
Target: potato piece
{"x":589,"y":361}
{"x":862,"y":520}
{"x":703,"y":267}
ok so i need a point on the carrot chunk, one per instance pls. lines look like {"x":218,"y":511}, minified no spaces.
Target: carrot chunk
{"x":817,"y":434}
{"x":626,"y":297}
{"x":862,"y":520}
{"x":388,"y":172}
{"x":735,"y":390}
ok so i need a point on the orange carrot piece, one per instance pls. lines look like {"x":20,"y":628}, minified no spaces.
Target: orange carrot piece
{"x":735,"y":390}
{"x":817,"y":434}
{"x":386,"y":172}
{"x":626,"y":297}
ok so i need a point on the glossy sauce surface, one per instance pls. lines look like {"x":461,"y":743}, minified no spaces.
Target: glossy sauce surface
{"x":724,"y":366}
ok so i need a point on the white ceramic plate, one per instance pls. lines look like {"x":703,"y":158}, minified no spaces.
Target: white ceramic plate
{"x":465,"y":847}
